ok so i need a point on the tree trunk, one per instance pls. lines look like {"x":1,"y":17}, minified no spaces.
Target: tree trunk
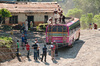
{"x":2,"y":20}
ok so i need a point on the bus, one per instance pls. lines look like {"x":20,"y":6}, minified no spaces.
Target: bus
{"x":63,"y":34}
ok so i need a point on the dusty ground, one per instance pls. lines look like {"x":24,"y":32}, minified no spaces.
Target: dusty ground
{"x":86,"y":52}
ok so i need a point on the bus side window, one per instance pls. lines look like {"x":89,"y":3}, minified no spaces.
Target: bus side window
{"x":64,"y":29}
{"x":54,"y":28}
{"x":49,"y":29}
{"x":59,"y":28}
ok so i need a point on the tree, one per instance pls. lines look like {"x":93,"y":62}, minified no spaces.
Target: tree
{"x":83,"y":21}
{"x":88,"y":6}
{"x":74,"y":12}
{"x":90,"y":18}
{"x":96,"y":19}
{"x":4,"y":13}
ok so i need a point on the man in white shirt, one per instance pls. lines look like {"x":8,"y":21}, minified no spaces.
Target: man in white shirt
{"x":26,"y":25}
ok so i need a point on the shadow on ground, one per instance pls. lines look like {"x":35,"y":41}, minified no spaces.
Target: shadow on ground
{"x":66,"y":52}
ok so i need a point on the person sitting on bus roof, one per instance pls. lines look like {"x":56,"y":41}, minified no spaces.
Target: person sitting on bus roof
{"x":63,"y":19}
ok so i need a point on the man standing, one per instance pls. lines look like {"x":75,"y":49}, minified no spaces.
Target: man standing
{"x":25,"y":35}
{"x":95,"y":26}
{"x":38,"y":47}
{"x":28,"y":49}
{"x":35,"y":47}
{"x":22,"y":28}
{"x":52,"y":50}
{"x":26,"y":25}
{"x":17,"y":48}
{"x":56,"y":48}
{"x":44,"y":53}
{"x":31,"y":25}
{"x":23,"y":41}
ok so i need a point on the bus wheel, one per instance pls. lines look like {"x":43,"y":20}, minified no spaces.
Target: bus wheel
{"x":78,"y":37}
{"x":71,"y":44}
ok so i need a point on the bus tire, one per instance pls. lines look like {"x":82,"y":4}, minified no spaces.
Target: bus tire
{"x":71,"y":44}
{"x":78,"y":37}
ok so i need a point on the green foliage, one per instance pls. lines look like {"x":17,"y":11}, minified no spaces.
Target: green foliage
{"x":96,"y":19}
{"x":6,"y":41}
{"x":88,"y":6}
{"x":83,"y":21}
{"x":5,"y":13}
{"x":86,"y":20}
{"x":92,"y":10}
{"x":90,"y":17}
{"x":74,"y":12}
{"x":42,"y":27}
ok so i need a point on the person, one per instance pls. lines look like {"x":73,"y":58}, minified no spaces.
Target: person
{"x":26,"y":25}
{"x":63,"y":19}
{"x":95,"y":26}
{"x":56,"y":48}
{"x":90,"y":26}
{"x":52,"y":50}
{"x":38,"y":49}
{"x":50,"y":20}
{"x":36,"y":41}
{"x":25,"y":33}
{"x":35,"y":47}
{"x":28,"y":49}
{"x":44,"y":53}
{"x":23,"y":41}
{"x":17,"y":48}
{"x":55,"y":16}
{"x":31,"y":25}
{"x":23,"y":27}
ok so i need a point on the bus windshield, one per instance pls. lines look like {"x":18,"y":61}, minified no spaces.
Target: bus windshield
{"x":57,"y":28}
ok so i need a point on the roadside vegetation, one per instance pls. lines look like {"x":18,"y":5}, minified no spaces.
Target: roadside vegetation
{"x":7,"y":50}
{"x":6,"y":41}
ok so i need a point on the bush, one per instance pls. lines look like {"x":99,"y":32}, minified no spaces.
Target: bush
{"x":6,"y":41}
{"x":17,"y":27}
{"x":42,"y":26}
{"x":6,"y":27}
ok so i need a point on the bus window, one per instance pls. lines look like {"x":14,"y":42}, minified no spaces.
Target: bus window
{"x":59,"y":28}
{"x":49,"y":29}
{"x":54,"y":29}
{"x":64,"y":29}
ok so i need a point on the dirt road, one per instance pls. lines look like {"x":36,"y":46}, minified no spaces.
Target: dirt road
{"x":86,"y":52}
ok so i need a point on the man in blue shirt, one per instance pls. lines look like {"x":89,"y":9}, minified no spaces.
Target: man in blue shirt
{"x":35,"y":47}
{"x":44,"y":53}
{"x":23,"y":41}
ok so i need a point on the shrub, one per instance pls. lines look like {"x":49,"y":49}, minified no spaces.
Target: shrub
{"x":42,"y":26}
{"x":6,"y":41}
